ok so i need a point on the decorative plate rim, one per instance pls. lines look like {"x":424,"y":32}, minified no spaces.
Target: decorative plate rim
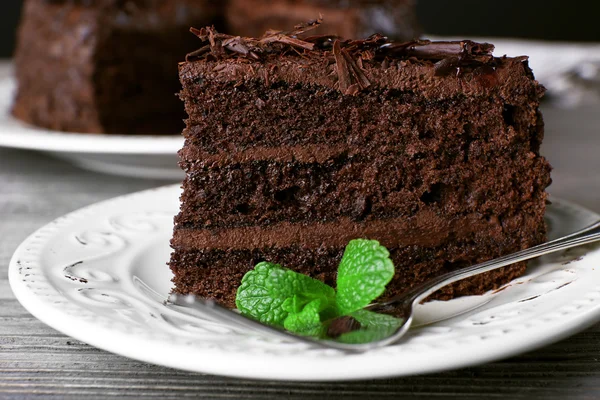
{"x":300,"y":363}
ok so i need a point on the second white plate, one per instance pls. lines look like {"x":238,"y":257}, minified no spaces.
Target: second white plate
{"x":130,"y":155}
{"x":100,"y":276}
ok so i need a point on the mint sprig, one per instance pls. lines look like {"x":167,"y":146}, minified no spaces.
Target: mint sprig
{"x":298,"y":303}
{"x":363,"y":273}
{"x":268,"y":287}
{"x":307,"y":321}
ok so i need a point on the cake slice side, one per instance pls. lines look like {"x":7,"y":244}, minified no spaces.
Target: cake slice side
{"x":282,"y":165}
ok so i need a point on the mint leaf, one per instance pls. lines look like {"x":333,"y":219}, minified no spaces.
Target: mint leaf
{"x":374,"y":327}
{"x":307,"y":321}
{"x":293,"y":304}
{"x":269,"y":293}
{"x":371,"y":319}
{"x":278,"y":296}
{"x":363,"y":273}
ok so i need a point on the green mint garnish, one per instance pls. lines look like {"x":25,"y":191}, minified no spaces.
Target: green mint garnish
{"x":298,"y":303}
{"x":269,"y":293}
{"x":364,"y":272}
{"x":307,"y":321}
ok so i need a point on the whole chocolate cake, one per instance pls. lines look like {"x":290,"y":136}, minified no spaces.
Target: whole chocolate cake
{"x":105,"y":66}
{"x":296,"y":144}
{"x":349,"y":19}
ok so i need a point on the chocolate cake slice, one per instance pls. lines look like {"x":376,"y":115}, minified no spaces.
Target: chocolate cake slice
{"x":105,"y":66}
{"x":297,"y":144}
{"x":349,"y":19}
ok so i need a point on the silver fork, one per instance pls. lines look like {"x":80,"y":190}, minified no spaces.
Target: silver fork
{"x":401,"y":306}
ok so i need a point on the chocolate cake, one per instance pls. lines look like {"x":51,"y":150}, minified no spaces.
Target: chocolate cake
{"x":349,"y":19}
{"x":295,"y":144}
{"x":105,"y":66}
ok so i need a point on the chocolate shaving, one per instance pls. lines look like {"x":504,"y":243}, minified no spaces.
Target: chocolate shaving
{"x":302,"y":28}
{"x":446,"y":66}
{"x":351,"y":77}
{"x":343,"y":70}
{"x":428,"y":50}
{"x":280,"y":38}
{"x":376,"y":47}
{"x":290,"y":37}
{"x":209,"y":34}
{"x":322,"y":42}
{"x":223,"y":46}
{"x":194,"y":55}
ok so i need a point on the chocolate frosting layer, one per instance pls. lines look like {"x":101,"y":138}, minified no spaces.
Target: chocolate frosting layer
{"x":426,"y":228}
{"x":348,"y":55}
{"x":351,"y":66}
{"x":411,"y":76}
{"x":307,"y":153}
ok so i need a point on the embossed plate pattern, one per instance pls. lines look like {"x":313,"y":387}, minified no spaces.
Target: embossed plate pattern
{"x":99,"y":275}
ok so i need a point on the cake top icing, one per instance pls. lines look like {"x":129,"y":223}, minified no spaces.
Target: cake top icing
{"x":297,"y":56}
{"x":447,"y":55}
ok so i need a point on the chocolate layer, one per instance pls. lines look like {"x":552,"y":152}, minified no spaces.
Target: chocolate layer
{"x":368,"y":189}
{"x":439,"y":108}
{"x":217,"y":273}
{"x":425,"y":228}
{"x":194,"y":156}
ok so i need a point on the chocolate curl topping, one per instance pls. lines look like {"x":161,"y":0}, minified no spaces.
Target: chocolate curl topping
{"x":280,"y":38}
{"x":351,"y":77}
{"x":304,"y":27}
{"x":290,"y":37}
{"x":224,"y":46}
{"x":375,"y":47}
{"x":428,"y":50}
{"x":449,"y":55}
{"x":349,"y":55}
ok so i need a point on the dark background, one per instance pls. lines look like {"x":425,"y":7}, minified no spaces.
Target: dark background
{"x":540,"y":19}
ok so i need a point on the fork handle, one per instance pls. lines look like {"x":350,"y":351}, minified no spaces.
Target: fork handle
{"x":421,"y":292}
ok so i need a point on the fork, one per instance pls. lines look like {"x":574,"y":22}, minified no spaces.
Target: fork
{"x":401,"y":306}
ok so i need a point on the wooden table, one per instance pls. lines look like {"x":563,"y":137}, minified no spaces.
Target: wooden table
{"x":36,"y":361}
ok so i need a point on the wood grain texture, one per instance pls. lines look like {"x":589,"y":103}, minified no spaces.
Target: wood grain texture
{"x":38,"y":362}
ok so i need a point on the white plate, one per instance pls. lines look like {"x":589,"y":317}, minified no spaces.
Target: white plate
{"x":131,"y":155}
{"x":99,"y":275}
